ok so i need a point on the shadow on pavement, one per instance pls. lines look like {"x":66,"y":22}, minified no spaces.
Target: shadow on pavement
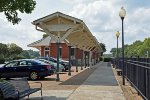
{"x":79,"y":78}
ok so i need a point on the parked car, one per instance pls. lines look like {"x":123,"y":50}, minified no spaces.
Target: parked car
{"x":54,"y":65}
{"x":34,"y":69}
{"x":65,"y":63}
{"x":47,"y":58}
{"x":62,"y":62}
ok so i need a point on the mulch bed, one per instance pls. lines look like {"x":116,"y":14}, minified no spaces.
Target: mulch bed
{"x":129,"y":92}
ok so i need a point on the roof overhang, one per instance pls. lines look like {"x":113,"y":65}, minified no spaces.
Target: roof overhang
{"x":67,"y":28}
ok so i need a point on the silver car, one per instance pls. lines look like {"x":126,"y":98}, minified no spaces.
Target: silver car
{"x":61,"y":67}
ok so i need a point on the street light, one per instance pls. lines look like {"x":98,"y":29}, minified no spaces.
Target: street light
{"x":117,"y":35}
{"x":58,"y":54}
{"x":122,"y":15}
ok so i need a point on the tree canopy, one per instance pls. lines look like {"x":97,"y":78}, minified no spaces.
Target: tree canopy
{"x":103,"y":47}
{"x":30,"y":54}
{"x":12,"y":7}
{"x":13,"y":51}
{"x":3,"y":50}
{"x":136,"y":49}
{"x":45,"y":35}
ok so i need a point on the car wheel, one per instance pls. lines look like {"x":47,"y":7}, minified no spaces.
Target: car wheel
{"x":34,"y":76}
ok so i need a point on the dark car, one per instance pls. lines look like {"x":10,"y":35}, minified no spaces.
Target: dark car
{"x":48,"y":58}
{"x":31,"y":68}
{"x":62,"y":62}
{"x":53,"y":65}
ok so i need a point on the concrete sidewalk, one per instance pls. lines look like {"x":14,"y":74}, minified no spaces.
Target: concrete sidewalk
{"x":100,"y":85}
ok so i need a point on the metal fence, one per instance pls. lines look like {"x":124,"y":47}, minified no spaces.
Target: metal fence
{"x":137,"y":72}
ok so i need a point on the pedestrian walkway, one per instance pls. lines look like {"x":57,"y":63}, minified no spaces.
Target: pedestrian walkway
{"x":100,"y":85}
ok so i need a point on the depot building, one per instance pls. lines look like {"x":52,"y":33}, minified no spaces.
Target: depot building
{"x":66,"y":31}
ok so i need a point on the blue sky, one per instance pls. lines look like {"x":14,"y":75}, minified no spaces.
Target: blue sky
{"x":101,"y":16}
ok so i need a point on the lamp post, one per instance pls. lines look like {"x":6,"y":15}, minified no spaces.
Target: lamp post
{"x":117,"y":35}
{"x":58,"y":54}
{"x":122,"y":15}
{"x":69,"y":72}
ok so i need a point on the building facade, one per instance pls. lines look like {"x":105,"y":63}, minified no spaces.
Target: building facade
{"x":48,"y":48}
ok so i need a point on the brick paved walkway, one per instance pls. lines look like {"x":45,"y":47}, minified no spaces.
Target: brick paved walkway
{"x":95,"y":83}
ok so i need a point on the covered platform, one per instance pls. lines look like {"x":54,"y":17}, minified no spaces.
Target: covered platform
{"x":72,"y":31}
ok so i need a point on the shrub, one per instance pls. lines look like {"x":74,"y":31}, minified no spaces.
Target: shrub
{"x":107,"y":59}
{"x":18,"y":57}
{"x":2,"y":60}
{"x":100,"y":58}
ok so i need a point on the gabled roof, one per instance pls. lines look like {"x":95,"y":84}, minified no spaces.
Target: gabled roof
{"x":56,"y":14}
{"x":65,"y":27}
{"x":41,"y":42}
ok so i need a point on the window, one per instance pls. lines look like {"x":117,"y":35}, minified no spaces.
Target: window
{"x":72,"y":51}
{"x":46,"y":48}
{"x":29,"y":63}
{"x":22,"y":63}
{"x":46,"y":52}
{"x":12,"y":64}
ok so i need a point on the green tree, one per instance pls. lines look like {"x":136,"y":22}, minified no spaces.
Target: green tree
{"x":25,"y":54}
{"x":33,"y":54}
{"x":144,"y":48}
{"x":133,"y":49}
{"x":12,"y":7}
{"x":113,"y":51}
{"x":45,"y":35}
{"x":3,"y":50}
{"x":14,"y":50}
{"x":103,"y":47}
{"x":136,"y":49}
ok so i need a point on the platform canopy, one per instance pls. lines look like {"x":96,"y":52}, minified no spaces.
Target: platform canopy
{"x":69,"y":29}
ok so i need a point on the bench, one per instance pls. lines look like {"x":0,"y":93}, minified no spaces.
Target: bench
{"x":17,"y":88}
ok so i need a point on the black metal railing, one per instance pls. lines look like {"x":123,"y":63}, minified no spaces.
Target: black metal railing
{"x":137,"y":72}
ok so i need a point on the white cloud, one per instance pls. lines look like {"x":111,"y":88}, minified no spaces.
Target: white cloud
{"x":20,"y":34}
{"x":101,"y":16}
{"x":103,"y":20}
{"x":137,"y":25}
